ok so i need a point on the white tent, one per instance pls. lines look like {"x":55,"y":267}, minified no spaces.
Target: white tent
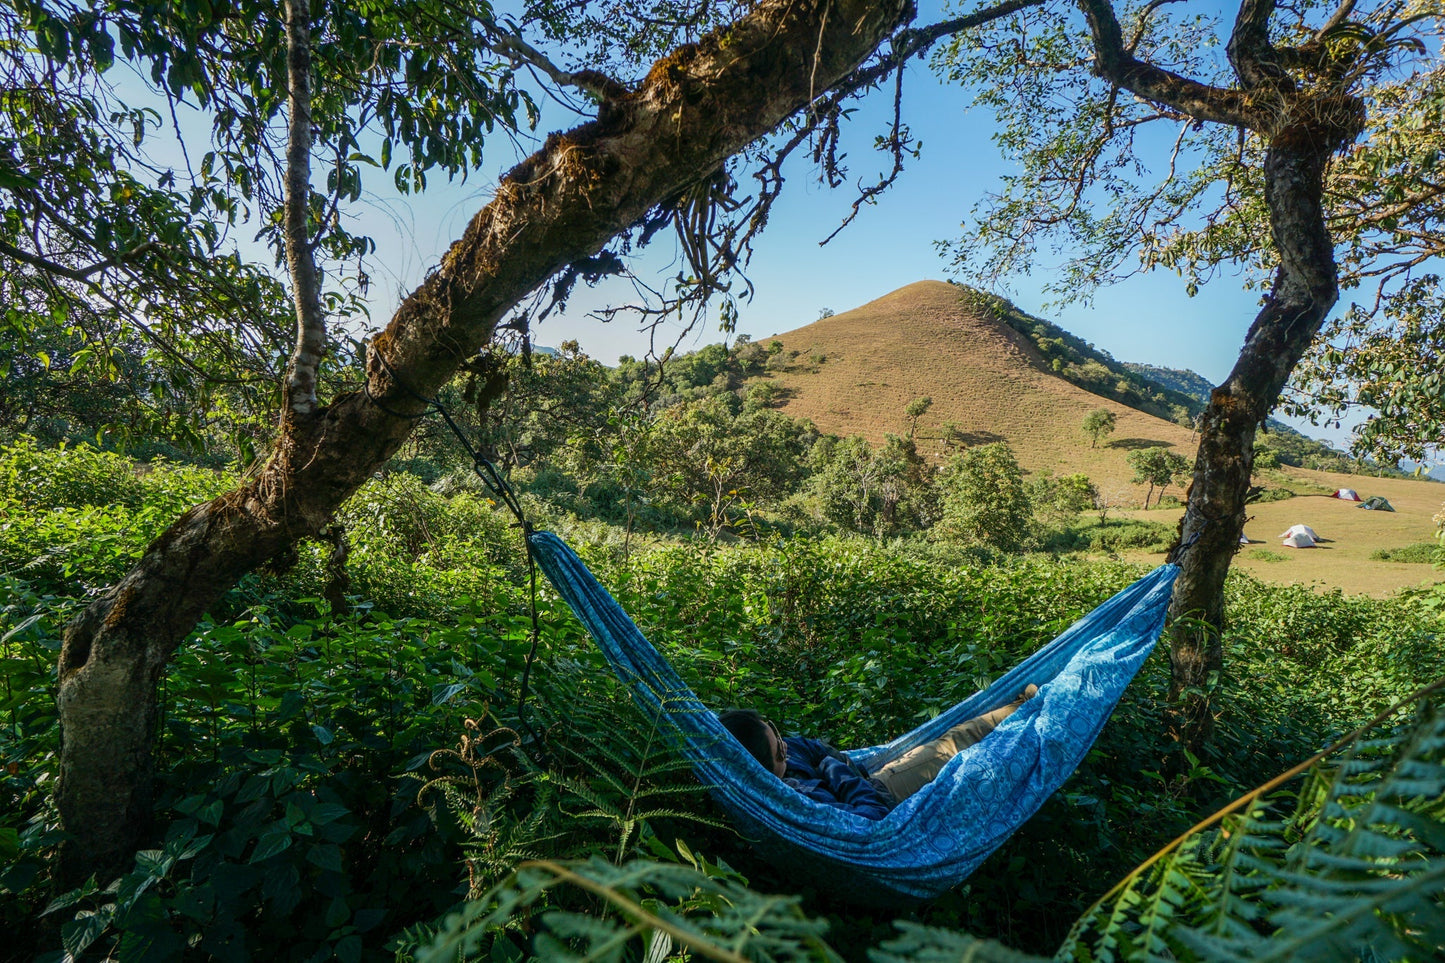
{"x":1243,"y":539}
{"x":1348,"y":494}
{"x":1299,"y":540}
{"x":1300,"y":530}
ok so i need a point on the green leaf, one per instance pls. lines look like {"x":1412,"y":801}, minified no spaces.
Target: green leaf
{"x":211,"y":813}
{"x":326,"y":856}
{"x":21,"y":627}
{"x":348,"y":950}
{"x":337,"y":913}
{"x":77,"y":935}
{"x":443,"y":694}
{"x":368,"y":919}
{"x":327,"y":812}
{"x":271,"y":843}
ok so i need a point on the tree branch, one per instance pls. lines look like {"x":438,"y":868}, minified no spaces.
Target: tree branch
{"x":1250,"y":52}
{"x":75,"y":274}
{"x":591,"y":82}
{"x":906,"y":43}
{"x":1114,"y":63}
{"x":1341,"y":14}
{"x":300,"y":258}
{"x":1141,"y":22}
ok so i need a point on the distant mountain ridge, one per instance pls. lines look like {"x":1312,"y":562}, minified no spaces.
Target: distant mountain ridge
{"x":1095,"y":370}
{"x":1183,"y":380}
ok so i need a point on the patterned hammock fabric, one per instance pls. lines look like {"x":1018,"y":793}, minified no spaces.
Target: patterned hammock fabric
{"x":936,"y":837}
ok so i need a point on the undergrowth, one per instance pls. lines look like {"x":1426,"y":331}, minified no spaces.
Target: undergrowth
{"x":338,"y":781}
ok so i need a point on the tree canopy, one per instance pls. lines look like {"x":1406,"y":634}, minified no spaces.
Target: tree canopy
{"x":1118,"y":185}
{"x":345,"y":91}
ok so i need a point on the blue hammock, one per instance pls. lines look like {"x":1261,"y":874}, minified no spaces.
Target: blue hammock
{"x":936,"y":837}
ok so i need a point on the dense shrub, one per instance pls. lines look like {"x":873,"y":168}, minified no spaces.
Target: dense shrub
{"x":1113,"y":537}
{"x":76,"y":519}
{"x":41,"y":479}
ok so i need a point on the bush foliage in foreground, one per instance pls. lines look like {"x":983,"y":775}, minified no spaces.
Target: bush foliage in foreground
{"x":336,"y":784}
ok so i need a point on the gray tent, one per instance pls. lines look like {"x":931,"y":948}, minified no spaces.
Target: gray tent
{"x":1376,"y":503}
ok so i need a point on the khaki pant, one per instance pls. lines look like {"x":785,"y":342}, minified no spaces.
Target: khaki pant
{"x":916,"y":768}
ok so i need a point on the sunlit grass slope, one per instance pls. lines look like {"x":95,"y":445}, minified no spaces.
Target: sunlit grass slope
{"x":925,"y":340}
{"x":856,"y":372}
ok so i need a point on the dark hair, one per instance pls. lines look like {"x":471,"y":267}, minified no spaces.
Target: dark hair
{"x":749,"y":728}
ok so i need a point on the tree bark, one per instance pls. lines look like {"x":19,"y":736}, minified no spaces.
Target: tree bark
{"x":698,"y":106}
{"x":1305,"y":289}
{"x":1303,"y":129}
{"x":300,"y":258}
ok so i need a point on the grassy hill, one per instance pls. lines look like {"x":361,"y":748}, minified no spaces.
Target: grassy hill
{"x":1352,"y":535}
{"x":855,"y":372}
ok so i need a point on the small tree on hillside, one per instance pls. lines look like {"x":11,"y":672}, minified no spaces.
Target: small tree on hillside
{"x":1106,"y":500}
{"x":1158,"y":467}
{"x":915,"y":410}
{"x":1099,"y":423}
{"x":983,"y":498}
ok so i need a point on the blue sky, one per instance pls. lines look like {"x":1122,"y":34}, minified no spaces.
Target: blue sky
{"x":1146,"y":319}
{"x":889,"y":245}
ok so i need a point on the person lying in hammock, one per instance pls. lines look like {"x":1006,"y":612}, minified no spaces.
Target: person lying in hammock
{"x":825,"y":775}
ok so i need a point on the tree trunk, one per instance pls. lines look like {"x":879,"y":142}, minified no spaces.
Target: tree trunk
{"x":697,"y":107}
{"x":1304,"y":290}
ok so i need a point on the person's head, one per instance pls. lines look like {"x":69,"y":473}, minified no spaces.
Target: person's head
{"x":758,"y":736}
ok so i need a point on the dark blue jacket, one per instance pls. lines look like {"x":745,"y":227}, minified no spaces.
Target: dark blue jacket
{"x":825,"y":775}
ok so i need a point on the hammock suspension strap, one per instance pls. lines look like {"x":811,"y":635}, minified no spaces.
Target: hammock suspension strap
{"x":498,"y":485}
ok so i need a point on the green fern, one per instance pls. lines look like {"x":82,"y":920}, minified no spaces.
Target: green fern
{"x":641,"y":909}
{"x":1355,"y":869}
{"x":927,"y":944}
{"x":604,"y":775}
{"x":623,"y":768}
{"x":491,"y":796}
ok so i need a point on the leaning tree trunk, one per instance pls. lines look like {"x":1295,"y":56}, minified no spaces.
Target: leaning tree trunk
{"x":697,"y":107}
{"x":1305,"y":289}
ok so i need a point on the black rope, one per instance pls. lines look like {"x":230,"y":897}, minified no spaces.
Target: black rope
{"x":498,"y":485}
{"x":1178,"y":551}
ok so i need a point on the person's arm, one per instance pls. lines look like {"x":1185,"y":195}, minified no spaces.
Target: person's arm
{"x":854,"y":793}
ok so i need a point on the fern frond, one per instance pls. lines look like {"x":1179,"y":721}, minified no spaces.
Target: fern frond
{"x":1176,"y":884}
{"x":1356,"y":869}
{"x":928,"y":944}
{"x":712,"y":918}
